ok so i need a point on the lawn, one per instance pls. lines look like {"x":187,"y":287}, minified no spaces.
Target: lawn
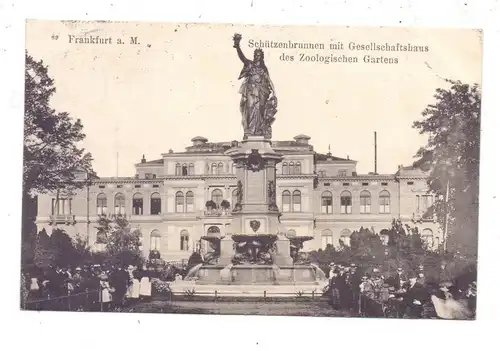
{"x":269,"y":308}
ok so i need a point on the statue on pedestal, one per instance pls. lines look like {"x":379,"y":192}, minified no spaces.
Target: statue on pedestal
{"x":258,"y":104}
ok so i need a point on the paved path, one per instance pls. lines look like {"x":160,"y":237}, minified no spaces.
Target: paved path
{"x":318,"y":308}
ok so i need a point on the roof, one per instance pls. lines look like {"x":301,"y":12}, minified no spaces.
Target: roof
{"x":326,"y":157}
{"x":410,"y":171}
{"x":151,"y":163}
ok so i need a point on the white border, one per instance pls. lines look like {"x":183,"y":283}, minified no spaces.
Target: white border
{"x":111,"y":331}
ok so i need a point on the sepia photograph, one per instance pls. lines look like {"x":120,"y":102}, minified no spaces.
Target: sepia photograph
{"x":237,"y":169}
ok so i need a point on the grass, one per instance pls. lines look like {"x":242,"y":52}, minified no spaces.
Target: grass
{"x":271,"y":308}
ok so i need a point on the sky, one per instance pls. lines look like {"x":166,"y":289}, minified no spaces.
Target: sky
{"x":181,"y":80}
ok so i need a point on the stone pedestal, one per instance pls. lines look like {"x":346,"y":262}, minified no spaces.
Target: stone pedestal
{"x":226,"y":250}
{"x":283,"y":251}
{"x":256,"y":211}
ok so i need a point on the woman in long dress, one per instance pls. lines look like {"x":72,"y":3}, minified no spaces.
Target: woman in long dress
{"x":136,"y":287}
{"x":258,"y":99}
{"x":145,"y":290}
{"x":448,"y":306}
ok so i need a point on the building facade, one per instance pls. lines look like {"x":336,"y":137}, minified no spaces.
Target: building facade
{"x":320,"y":195}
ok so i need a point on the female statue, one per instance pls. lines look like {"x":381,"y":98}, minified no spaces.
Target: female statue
{"x":258,"y":99}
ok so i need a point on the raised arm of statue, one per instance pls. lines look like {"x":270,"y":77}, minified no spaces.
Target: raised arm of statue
{"x":241,"y":55}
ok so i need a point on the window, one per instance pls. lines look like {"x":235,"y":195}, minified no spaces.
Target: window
{"x":326,"y":238}
{"x":156,"y":186}
{"x":327,"y":202}
{"x":155,"y":240}
{"x":217,"y":196}
{"x":384,"y":184}
{"x":179,"y":202}
{"x":327,"y":184}
{"x":364,"y":184}
{"x":298,"y":168}
{"x":189,"y":201}
{"x":137,"y":186}
{"x":61,"y":206}
{"x":291,"y":168}
{"x":101,"y":186}
{"x":365,"y":202}
{"x":220,"y":168}
{"x":102,"y":204}
{"x":191,"y":169}
{"x":286,"y":200}
{"x":214,"y":168}
{"x":233,"y":168}
{"x":184,"y":240}
{"x":137,"y":204}
{"x":342,"y":173}
{"x":178,"y":169}
{"x":184,"y":169}
{"x":345,"y":237}
{"x":291,"y":233}
{"x":213,"y":231}
{"x":119,"y":204}
{"x":119,"y":186}
{"x":155,"y":204}
{"x":345,"y":202}
{"x":410,"y":183}
{"x":234,"y":197}
{"x":426,"y":202}
{"x":297,"y":201}
{"x":345,"y":184}
{"x":384,"y":201}
{"x":285,"y":168}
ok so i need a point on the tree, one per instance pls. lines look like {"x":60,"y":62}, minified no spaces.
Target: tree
{"x":123,"y":243}
{"x":52,"y":157}
{"x":452,"y":158}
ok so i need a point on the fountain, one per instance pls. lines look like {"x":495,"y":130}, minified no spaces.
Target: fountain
{"x":254,"y":256}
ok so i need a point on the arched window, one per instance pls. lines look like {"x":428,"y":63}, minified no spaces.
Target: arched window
{"x":184,"y":240}
{"x":291,"y":168}
{"x":137,"y":204}
{"x":298,"y":168}
{"x":213,"y":231}
{"x":365,"y":202}
{"x":191,"y":169}
{"x":345,"y":202}
{"x":178,"y":169}
{"x":326,"y":238}
{"x":345,"y":237}
{"x":102,"y":204}
{"x":155,"y":204}
{"x":297,"y":201}
{"x":291,"y":233}
{"x":185,"y":169}
{"x":155,"y":240}
{"x":220,"y":168}
{"x":119,"y":204}
{"x":179,"y":202}
{"x":384,"y":200}
{"x":285,"y":168}
{"x":286,"y":198}
{"x":428,"y":238}
{"x":234,"y":197}
{"x":189,"y":201}
{"x":327,"y":202}
{"x":217,"y":196}
{"x":214,"y":168}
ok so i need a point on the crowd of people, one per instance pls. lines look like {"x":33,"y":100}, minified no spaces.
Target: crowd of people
{"x":89,"y":288}
{"x":400,"y":294}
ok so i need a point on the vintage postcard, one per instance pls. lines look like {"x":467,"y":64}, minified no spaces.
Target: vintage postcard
{"x":247,"y":169}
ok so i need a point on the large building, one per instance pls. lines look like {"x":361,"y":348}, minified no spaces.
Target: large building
{"x":320,"y":195}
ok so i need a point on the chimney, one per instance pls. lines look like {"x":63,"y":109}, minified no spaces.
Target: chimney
{"x":375,"y":137}
{"x":143,"y":160}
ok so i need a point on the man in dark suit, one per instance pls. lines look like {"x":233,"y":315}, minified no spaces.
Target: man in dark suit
{"x":414,"y":298}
